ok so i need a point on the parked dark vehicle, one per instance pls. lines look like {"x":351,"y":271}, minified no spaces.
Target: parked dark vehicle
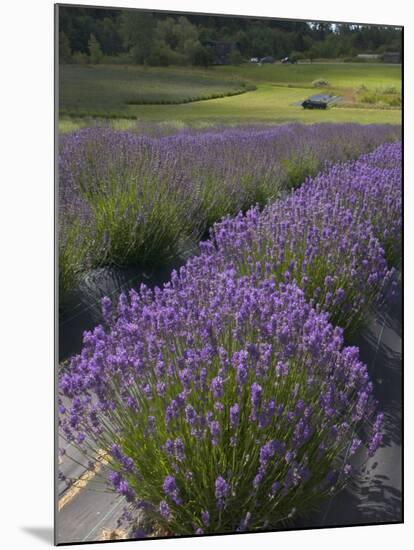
{"x":320,"y":101}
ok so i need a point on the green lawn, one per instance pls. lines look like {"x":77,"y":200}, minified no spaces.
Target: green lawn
{"x":279,"y":88}
{"x":339,"y":75}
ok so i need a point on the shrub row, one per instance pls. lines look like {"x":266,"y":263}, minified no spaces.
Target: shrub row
{"x":226,"y":401}
{"x":186,"y":99}
{"x":335,"y":235}
{"x":132,"y":200}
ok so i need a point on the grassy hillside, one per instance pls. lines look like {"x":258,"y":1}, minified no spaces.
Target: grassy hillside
{"x":115,"y":92}
{"x":110,"y":90}
{"x":340,"y":75}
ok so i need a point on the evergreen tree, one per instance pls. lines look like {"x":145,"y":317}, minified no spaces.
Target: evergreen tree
{"x":138,"y":33}
{"x":65,"y":53}
{"x":95,"y":51}
{"x":159,"y":38}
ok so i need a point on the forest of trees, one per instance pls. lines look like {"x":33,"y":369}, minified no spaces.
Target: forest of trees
{"x":89,"y":35}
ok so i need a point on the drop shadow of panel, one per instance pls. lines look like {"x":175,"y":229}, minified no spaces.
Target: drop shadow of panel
{"x":45,"y":534}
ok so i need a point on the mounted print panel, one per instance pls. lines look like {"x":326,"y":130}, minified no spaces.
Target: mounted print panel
{"x":229,"y":267}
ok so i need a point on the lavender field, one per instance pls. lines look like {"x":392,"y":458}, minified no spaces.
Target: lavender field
{"x":229,"y":399}
{"x":132,"y":200}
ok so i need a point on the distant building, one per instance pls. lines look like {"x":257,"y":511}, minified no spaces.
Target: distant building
{"x":220,"y":51}
{"x":368,"y":56}
{"x":392,"y":57}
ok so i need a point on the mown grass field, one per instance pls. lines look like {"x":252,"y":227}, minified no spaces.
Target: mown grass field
{"x":114,"y":93}
{"x":340,"y":75}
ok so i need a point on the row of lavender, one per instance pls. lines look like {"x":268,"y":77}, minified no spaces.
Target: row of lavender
{"x":126,"y":199}
{"x":227,"y":401}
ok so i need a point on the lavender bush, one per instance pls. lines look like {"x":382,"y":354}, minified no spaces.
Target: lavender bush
{"x":138,"y":200}
{"x":224,"y":406}
{"x":255,"y":165}
{"x":226,"y":401}
{"x":139,"y":206}
{"x":329,"y":236}
{"x":76,"y":238}
{"x":372,"y":188}
{"x":72,"y":257}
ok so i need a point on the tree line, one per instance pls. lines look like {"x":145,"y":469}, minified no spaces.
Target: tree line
{"x":158,"y":39}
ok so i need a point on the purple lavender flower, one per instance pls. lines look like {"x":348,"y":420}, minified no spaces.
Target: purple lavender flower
{"x":244,"y":522}
{"x":266,"y":453}
{"x":179,"y":449}
{"x":171,"y":490}
{"x":355,"y":444}
{"x":137,"y":534}
{"x":125,"y":490}
{"x":215,"y":429}
{"x":205,"y":517}
{"x":115,"y":479}
{"x":222,"y":491}
{"x":217,"y":387}
{"x":125,"y":461}
{"x":190,"y":415}
{"x":377,"y":437}
{"x":234,"y":415}
{"x":164,"y":510}
{"x":275,"y":488}
{"x":256,"y":395}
